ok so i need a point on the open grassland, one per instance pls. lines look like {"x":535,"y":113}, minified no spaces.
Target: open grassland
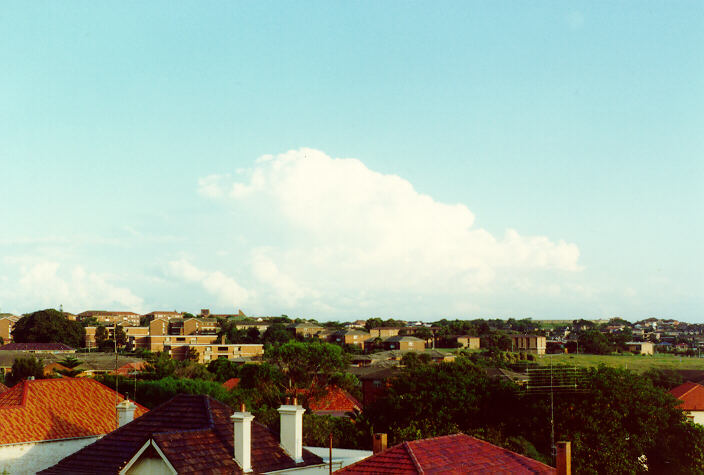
{"x":633,"y":362}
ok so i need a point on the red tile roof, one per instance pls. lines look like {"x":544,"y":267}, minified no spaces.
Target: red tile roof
{"x":195,"y":434}
{"x":3,"y":388}
{"x":335,"y":401}
{"x":458,"y":453}
{"x":35,"y":347}
{"x":231,"y":383}
{"x":51,"y":367}
{"x":49,"y":409}
{"x":691,"y":394}
{"x":129,"y":368}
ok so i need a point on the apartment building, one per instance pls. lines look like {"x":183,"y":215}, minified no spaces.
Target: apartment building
{"x":535,"y":344}
{"x":7,"y":323}
{"x":111,"y":318}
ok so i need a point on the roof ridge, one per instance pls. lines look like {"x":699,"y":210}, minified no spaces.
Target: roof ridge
{"x":409,"y":450}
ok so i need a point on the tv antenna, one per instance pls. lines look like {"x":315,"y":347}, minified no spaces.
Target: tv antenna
{"x":555,"y":379}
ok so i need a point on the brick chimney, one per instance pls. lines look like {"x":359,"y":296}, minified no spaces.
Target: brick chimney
{"x":564,"y":458}
{"x":292,"y":430}
{"x":242,"y":422}
{"x":125,"y":412}
{"x":379,"y":442}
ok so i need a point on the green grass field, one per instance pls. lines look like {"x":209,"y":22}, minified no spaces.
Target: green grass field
{"x":634,"y":362}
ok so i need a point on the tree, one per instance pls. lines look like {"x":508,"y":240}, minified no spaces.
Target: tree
{"x":413,"y":359}
{"x":252,"y":335}
{"x":224,"y":369}
{"x":423,"y":333}
{"x":49,"y":326}
{"x":276,"y":333}
{"x":101,"y":336}
{"x":23,"y":368}
{"x":306,"y":364}
{"x":622,"y":417}
{"x":595,"y":342}
{"x":375,"y":322}
{"x":70,"y":361}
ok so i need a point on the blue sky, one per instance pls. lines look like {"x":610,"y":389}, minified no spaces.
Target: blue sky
{"x":422,"y":159}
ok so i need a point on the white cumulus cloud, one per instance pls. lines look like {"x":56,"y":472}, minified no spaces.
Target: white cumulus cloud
{"x":224,"y":288}
{"x":355,"y":237}
{"x":46,"y":283}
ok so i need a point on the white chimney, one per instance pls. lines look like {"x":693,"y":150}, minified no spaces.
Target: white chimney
{"x":242,"y":422}
{"x":125,"y":412}
{"x":292,"y":430}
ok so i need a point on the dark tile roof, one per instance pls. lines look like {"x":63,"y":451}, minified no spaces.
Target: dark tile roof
{"x":195,"y":434}
{"x":398,"y":338}
{"x":35,"y":347}
{"x":458,"y":453}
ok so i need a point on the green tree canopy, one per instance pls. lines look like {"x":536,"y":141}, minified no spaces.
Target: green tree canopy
{"x":595,"y":342}
{"x":23,"y":368}
{"x":276,"y":333}
{"x":306,"y":364}
{"x":49,"y":326}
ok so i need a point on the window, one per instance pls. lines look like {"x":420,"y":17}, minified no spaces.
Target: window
{"x":222,"y":348}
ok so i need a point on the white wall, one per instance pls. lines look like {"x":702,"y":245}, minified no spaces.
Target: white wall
{"x":698,"y":416}
{"x":149,"y":466}
{"x":36,"y":456}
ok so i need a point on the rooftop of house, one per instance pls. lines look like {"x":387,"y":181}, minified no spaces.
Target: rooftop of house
{"x":193,"y":432}
{"x":35,"y":347}
{"x":105,"y":313}
{"x":305,"y":325}
{"x":9,"y":316}
{"x":400,"y":338}
{"x":691,"y":394}
{"x":375,"y":372}
{"x":3,"y":388}
{"x":333,"y":401}
{"x":62,"y":408}
{"x":231,"y":383}
{"x":458,"y":453}
{"x":351,"y":332}
{"x":94,"y":361}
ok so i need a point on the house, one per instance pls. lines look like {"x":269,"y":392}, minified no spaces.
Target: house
{"x":331,"y":401}
{"x":129,"y":369}
{"x":54,"y":367}
{"x":305,"y":329}
{"x":91,"y":363}
{"x":350,"y":337}
{"x":38,"y":348}
{"x":384,"y":332}
{"x":111,"y":318}
{"x":468,"y":342}
{"x":162,"y":314}
{"x":180,"y":347}
{"x":7,"y":323}
{"x":46,"y":420}
{"x":375,"y":381}
{"x":535,"y":344}
{"x":458,"y":453}
{"x":403,"y":342}
{"x":231,"y":383}
{"x":692,"y":397}
{"x":640,"y":347}
{"x":197,"y":434}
